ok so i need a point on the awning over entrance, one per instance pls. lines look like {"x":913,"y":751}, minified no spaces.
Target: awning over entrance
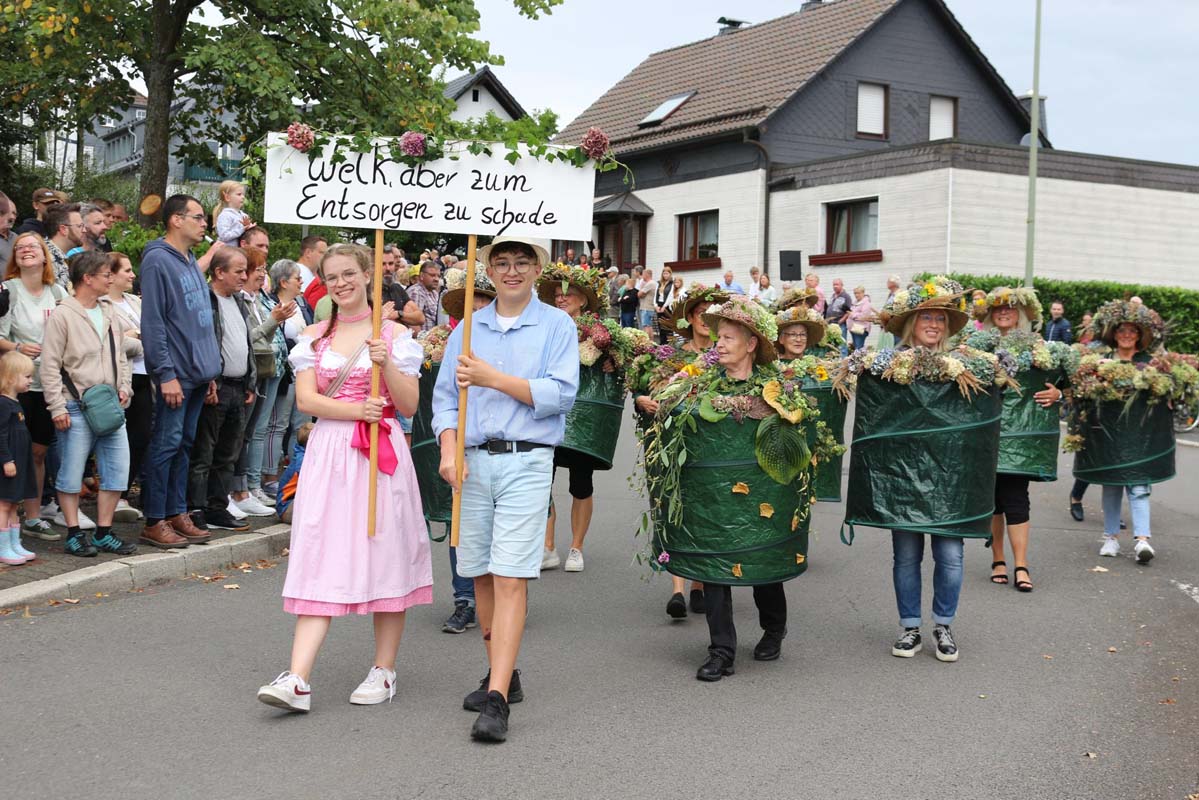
{"x":623,"y":205}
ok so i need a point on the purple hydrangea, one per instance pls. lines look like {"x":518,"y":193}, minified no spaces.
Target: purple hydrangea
{"x":412,"y":144}
{"x":595,"y":143}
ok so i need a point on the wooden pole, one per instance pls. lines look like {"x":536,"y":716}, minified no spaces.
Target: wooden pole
{"x":376,"y":375}
{"x":468,"y":312}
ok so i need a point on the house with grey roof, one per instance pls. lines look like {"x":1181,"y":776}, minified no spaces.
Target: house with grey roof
{"x":861,"y":138}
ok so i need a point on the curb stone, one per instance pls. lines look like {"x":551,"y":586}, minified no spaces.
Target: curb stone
{"x":151,"y":569}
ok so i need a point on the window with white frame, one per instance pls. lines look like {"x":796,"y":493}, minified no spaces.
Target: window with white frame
{"x":873,"y":99}
{"x":942,"y":117}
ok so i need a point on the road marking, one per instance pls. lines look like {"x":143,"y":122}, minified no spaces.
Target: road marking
{"x":1189,"y":590}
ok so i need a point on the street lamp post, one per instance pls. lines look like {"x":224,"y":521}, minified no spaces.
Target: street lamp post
{"x":1033,"y":147}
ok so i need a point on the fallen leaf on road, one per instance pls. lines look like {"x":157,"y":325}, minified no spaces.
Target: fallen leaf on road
{"x":4,"y":612}
{"x":1112,"y":650}
{"x":71,"y":601}
{"x":1176,"y":679}
{"x":101,"y":594}
{"x":1091,"y":755}
{"x":137,"y":591}
{"x":54,"y":602}
{"x":1169,"y":701}
{"x":247,"y":571}
{"x":243,"y":565}
{"x":264,"y":564}
{"x":284,"y":552}
{"x":1047,"y":657}
{"x":740,"y":488}
{"x":1100,"y":569}
{"x":26,"y":615}
{"x":232,"y":586}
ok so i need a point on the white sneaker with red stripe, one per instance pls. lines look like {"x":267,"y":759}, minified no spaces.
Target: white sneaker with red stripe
{"x":380,"y":685}
{"x":289,"y":692}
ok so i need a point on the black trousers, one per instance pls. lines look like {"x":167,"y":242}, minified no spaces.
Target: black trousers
{"x":139,"y":423}
{"x":219,"y":436}
{"x":771,"y":601}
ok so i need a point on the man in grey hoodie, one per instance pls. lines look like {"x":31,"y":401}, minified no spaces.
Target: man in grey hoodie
{"x":182,"y":356}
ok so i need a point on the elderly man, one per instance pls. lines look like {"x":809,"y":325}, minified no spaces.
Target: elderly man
{"x":755,"y":283}
{"x":812,"y":281}
{"x":729,"y":285}
{"x":837,"y":312}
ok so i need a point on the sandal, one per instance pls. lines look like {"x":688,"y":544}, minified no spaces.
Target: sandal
{"x":1023,"y":585}
{"x":999,"y":579}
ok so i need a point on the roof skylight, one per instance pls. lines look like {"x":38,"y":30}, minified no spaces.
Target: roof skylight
{"x":668,"y":107}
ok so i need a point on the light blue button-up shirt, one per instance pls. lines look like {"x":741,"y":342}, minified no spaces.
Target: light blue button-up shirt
{"x":542,"y":346}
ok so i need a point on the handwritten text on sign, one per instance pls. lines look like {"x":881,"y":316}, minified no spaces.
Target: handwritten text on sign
{"x":473,"y":194}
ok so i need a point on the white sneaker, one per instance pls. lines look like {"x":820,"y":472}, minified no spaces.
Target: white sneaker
{"x":234,"y":511}
{"x":574,"y":561}
{"x":85,"y":522}
{"x":1111,"y":546}
{"x":253,"y":508}
{"x":288,"y":692}
{"x":50,"y":509}
{"x":126,"y":512}
{"x":1144,"y":551}
{"x":550,"y":560}
{"x":380,"y":685}
{"x":262,"y":497}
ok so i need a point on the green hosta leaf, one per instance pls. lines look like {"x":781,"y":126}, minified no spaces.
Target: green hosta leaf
{"x":709,"y":413}
{"x":782,"y":449}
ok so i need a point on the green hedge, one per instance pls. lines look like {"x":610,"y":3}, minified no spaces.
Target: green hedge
{"x":1179,"y":307}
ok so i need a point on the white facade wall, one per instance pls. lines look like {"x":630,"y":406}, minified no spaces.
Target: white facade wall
{"x":469,"y":108}
{"x":913,"y":217}
{"x":1085,"y":231}
{"x":739,"y":199}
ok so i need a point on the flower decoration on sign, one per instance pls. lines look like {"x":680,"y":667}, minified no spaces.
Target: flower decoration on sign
{"x":300,"y":136}
{"x":412,"y":144}
{"x":595,"y":144}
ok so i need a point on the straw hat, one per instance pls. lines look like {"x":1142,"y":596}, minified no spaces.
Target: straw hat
{"x":754,"y":317}
{"x":540,"y":247}
{"x":697,"y":294}
{"x":454,"y":299}
{"x":799,"y":295}
{"x":1113,"y":314}
{"x":937,"y":293}
{"x":592,"y":282}
{"x":1023,"y":298}
{"x":801,"y":314}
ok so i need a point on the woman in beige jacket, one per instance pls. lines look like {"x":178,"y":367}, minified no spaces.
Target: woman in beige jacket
{"x":79,"y":351}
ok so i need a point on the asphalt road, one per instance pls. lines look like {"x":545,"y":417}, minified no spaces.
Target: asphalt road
{"x":1086,"y":688}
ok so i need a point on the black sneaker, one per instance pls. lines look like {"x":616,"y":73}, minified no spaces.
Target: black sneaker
{"x":462,"y":618}
{"x":223,"y":520}
{"x":947,"y":649}
{"x":697,"y":601}
{"x":676,"y":607}
{"x":79,"y":545}
{"x":114,"y":544}
{"x":197,"y":518}
{"x":908,"y":644}
{"x":492,"y":724}
{"x":478,"y":698}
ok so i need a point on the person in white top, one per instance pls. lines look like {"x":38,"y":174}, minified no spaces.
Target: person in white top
{"x":754,"y":287}
{"x":140,"y":413}
{"x":767,"y":295}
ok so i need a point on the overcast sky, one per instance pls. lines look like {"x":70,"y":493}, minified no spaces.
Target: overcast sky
{"x":1120,"y":75}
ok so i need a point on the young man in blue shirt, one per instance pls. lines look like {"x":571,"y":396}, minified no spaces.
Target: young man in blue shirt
{"x":521,"y":378}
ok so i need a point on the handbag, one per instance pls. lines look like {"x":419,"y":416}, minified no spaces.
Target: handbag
{"x":858,"y":327}
{"x":264,"y":358}
{"x":100,"y":404}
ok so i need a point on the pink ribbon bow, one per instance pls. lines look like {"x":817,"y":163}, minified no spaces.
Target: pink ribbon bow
{"x":362,"y":442}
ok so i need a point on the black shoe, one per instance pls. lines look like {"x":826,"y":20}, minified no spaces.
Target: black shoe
{"x":715,"y":668}
{"x":947,"y":649}
{"x":697,"y":601}
{"x":1076,"y":510}
{"x":478,"y":698}
{"x":462,"y":618}
{"x":198,"y":519}
{"x":770,"y":647}
{"x":677,"y":607}
{"x":223,"y":520}
{"x":114,"y":544}
{"x":492,"y":724}
{"x":80,"y":545}
{"x":908,"y":644}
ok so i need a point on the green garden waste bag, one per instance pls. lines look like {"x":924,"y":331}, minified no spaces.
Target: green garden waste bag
{"x":832,"y":413}
{"x":723,"y":537}
{"x":593,"y":424}
{"x":436,"y":496}
{"x":923,"y":458}
{"x":1126,"y":444}
{"x":1029,"y":436}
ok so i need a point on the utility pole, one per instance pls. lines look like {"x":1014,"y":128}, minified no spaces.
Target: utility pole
{"x":1033,"y":146}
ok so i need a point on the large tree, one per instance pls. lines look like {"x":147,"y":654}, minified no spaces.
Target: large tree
{"x":354,"y":64}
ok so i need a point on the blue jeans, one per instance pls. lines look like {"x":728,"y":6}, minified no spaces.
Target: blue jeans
{"x":464,"y":588}
{"x":1138,"y":504}
{"x":628,"y":319}
{"x":845,"y":337}
{"x":859,"y":340}
{"x":256,"y":440}
{"x":77,"y":443}
{"x":167,"y":461}
{"x":908,"y":549}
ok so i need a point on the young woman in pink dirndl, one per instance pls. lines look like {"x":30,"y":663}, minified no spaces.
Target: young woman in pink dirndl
{"x":334,"y":567}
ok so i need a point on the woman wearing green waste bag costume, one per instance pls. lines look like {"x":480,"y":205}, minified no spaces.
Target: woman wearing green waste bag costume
{"x":651,"y":371}
{"x":925,"y":446}
{"x":1121,"y":428}
{"x":1031,"y":430}
{"x":593,"y":424}
{"x":730,"y":477}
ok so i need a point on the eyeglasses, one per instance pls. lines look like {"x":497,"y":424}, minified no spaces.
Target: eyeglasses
{"x":793,"y":335}
{"x":929,"y":317}
{"x":345,"y":277}
{"x":27,"y":248}
{"x":520,"y":266}
{"x":196,"y":217}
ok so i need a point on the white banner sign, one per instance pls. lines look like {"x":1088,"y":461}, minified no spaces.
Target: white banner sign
{"x":483,"y":195}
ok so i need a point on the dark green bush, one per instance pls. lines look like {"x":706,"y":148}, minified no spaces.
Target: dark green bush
{"x":1179,"y":307}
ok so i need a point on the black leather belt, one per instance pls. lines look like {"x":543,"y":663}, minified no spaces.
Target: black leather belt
{"x":497,"y":447}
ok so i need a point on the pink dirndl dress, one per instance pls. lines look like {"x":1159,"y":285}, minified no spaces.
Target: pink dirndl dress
{"x":334,"y":568}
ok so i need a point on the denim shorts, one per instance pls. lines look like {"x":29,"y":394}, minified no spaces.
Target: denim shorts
{"x":77,"y":443}
{"x":504,"y":499}
{"x":405,"y":423}
{"x":647,"y":317}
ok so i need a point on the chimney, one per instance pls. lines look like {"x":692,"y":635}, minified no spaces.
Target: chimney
{"x":729,"y":25}
{"x":1026,"y":101}
{"x":808,"y":4}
